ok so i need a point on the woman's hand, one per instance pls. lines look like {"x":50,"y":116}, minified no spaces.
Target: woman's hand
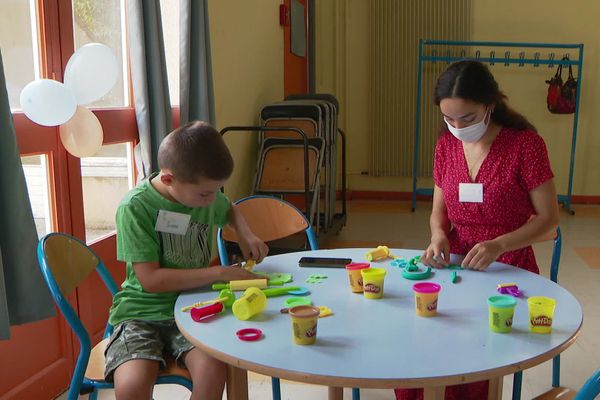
{"x":437,"y":254}
{"x":252,"y":247}
{"x":482,"y":255}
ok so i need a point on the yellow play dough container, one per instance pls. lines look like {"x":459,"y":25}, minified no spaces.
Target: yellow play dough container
{"x":304,"y":324}
{"x":501,"y":312}
{"x":541,"y":314}
{"x":426,"y":298}
{"x":251,"y":303}
{"x":355,"y":277}
{"x":373,"y":279}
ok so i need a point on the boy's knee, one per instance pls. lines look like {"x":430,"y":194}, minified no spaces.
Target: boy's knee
{"x":198,"y":361}
{"x":134,"y":378}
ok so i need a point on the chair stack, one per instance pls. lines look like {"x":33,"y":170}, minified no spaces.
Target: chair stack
{"x":282,"y":160}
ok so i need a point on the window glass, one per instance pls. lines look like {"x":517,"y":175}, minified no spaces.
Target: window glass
{"x":106,"y":178}
{"x":103,"y":21}
{"x":36,"y":176}
{"x":19,"y":46}
{"x":169,"y":11}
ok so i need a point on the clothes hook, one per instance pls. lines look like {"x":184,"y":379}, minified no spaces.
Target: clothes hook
{"x":536,"y":58}
{"x":506,"y":58}
{"x":492,"y":57}
{"x":551,"y":58}
{"x":521,"y":59}
{"x":477,"y":54}
{"x":463,"y":53}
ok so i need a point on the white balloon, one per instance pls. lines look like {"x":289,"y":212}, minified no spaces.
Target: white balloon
{"x":48,"y":102}
{"x":91,"y":72}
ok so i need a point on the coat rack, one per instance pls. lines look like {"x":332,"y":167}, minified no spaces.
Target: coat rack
{"x":429,"y":51}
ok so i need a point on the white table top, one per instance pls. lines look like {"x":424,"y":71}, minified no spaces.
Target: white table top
{"x":374,"y":342}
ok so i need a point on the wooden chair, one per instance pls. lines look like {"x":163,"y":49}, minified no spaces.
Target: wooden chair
{"x":65,"y":262}
{"x":554,"y":264}
{"x":270,"y":219}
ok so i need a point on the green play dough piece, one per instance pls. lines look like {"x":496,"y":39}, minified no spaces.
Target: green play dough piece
{"x":283,"y":277}
{"x":297,"y":301}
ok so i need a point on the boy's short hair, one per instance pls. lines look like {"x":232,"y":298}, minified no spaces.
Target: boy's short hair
{"x":194,"y":151}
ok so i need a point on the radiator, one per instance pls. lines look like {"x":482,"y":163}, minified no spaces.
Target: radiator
{"x":395,"y":29}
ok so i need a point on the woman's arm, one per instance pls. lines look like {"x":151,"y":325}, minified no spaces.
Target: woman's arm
{"x":537,"y":229}
{"x":438,"y":252}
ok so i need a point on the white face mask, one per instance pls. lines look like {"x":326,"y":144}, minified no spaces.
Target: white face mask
{"x":471,"y":133}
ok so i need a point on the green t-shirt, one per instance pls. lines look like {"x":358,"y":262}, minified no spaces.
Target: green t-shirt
{"x":139,"y":241}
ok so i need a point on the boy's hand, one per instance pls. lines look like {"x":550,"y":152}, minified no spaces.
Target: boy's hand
{"x":252,"y":247}
{"x":236,"y":273}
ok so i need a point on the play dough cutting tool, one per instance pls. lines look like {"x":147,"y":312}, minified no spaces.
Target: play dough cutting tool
{"x":280,"y":291}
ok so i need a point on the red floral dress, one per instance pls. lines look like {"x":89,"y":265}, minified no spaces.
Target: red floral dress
{"x":516,"y":164}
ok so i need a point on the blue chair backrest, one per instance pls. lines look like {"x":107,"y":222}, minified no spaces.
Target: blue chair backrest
{"x":65,"y":262}
{"x":591,"y":388}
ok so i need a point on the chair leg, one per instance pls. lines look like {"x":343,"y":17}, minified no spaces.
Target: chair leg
{"x":517,"y":381}
{"x":93,"y":395}
{"x":276,"y":388}
{"x":556,"y":371}
{"x":355,"y":394}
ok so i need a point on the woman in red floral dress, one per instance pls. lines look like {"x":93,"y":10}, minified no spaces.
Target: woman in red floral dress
{"x":491,"y":174}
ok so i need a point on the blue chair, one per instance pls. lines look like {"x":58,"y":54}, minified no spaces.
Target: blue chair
{"x":589,"y":391}
{"x":65,"y":262}
{"x":554,"y":264}
{"x":591,"y":388}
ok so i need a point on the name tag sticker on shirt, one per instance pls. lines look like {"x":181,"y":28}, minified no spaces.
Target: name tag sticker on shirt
{"x":172,"y":222}
{"x":470,"y":192}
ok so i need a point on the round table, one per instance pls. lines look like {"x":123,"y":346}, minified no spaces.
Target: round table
{"x":382,"y":343}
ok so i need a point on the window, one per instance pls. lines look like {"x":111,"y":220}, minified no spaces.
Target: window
{"x":19,"y":44}
{"x":169,"y":12}
{"x":36,"y":176}
{"x":103,"y":21}
{"x":106,"y":178}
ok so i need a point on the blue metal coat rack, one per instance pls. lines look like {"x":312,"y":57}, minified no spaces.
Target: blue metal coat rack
{"x":537,"y":60}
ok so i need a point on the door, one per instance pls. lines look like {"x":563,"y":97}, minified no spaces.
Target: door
{"x":38,"y":359}
{"x":295,"y":48}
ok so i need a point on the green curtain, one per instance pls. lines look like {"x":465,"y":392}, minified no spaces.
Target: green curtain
{"x":24,"y":296}
{"x":195,"y":78}
{"x":149,"y":78}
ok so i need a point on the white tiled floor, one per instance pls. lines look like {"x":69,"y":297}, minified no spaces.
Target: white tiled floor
{"x":384,"y":225}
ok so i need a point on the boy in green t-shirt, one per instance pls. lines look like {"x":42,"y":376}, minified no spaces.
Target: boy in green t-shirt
{"x":164,"y":234}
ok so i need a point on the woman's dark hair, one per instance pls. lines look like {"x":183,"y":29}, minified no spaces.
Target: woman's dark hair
{"x":471,"y":80}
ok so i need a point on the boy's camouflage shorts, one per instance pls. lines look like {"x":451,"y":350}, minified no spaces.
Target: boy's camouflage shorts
{"x":150,"y":340}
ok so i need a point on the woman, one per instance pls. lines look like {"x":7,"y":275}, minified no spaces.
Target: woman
{"x":492,"y":175}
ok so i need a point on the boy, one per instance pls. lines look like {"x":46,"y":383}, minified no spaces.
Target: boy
{"x":164,"y":234}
